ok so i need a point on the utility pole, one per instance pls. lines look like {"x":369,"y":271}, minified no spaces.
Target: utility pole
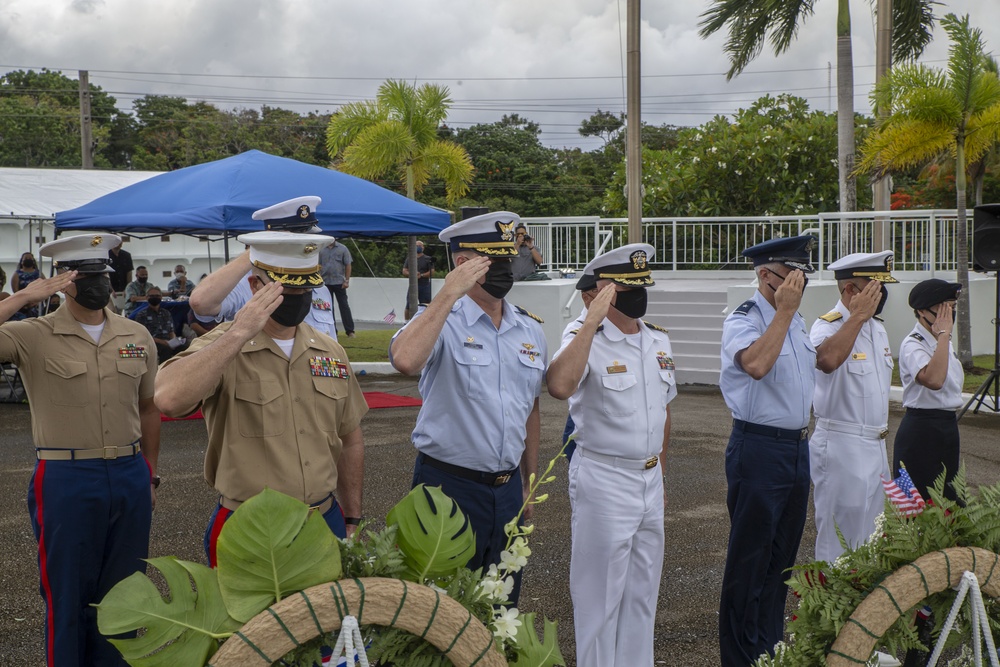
{"x":633,"y":129}
{"x":881,"y":238}
{"x":86,"y":138}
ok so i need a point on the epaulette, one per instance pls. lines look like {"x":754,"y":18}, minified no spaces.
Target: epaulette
{"x":600,"y":327}
{"x":917,"y":336}
{"x":745,"y":307}
{"x":655,"y":327}
{"x":832,"y":316}
{"x":878,"y":318}
{"x":522,"y":311}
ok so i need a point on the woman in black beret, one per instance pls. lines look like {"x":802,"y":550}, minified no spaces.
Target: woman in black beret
{"x":927,"y":441}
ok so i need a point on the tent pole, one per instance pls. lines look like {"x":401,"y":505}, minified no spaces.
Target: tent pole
{"x":225,"y":246}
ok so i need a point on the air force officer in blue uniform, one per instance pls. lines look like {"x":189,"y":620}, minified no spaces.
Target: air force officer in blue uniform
{"x":481,"y":362}
{"x":768,"y":377}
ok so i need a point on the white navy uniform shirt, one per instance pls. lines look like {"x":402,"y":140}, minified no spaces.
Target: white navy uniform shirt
{"x":858,"y":391}
{"x":479,"y":386}
{"x":781,"y":398}
{"x":320,"y":316}
{"x":620,"y":405}
{"x":915,"y":353}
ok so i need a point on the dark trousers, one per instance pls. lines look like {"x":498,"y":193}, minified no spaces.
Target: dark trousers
{"x":334,"y":518}
{"x":768,"y":482}
{"x":91,"y":519}
{"x":927,"y":443}
{"x":346,"y":318}
{"x":488,"y":509}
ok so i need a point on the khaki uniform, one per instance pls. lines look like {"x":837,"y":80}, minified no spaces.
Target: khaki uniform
{"x":83,"y":395}
{"x":277,"y":422}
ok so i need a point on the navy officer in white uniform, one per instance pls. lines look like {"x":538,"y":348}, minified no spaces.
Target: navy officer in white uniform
{"x":618,"y":373}
{"x":221,"y":294}
{"x":481,"y":361}
{"x":847,"y":456}
{"x":768,"y":378}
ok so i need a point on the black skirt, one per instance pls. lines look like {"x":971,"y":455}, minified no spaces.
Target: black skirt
{"x":927,"y":442}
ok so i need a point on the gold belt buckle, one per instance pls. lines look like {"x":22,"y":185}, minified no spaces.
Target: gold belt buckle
{"x":883,"y":434}
{"x":502,"y":479}
{"x":110,"y":452}
{"x":803,"y":434}
{"x":651,"y":462}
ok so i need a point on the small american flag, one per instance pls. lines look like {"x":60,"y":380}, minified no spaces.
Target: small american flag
{"x":903,"y":494}
{"x":391,"y":317}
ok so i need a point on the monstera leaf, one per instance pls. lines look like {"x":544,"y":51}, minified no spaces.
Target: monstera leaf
{"x":270,"y":548}
{"x":533,"y":653}
{"x":183,"y":630}
{"x":433,"y":534}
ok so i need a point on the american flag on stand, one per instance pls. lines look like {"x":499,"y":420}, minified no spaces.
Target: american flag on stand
{"x":903,"y":494}
{"x":391,"y":317}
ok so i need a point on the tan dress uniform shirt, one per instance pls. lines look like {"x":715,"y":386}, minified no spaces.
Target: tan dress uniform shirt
{"x":277,"y":422}
{"x":84,"y":395}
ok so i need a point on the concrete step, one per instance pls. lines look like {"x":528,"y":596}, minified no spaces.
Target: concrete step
{"x":694,"y":308}
{"x":697,"y":376}
{"x":699,"y":360}
{"x":685,"y":321}
{"x":684,"y":348}
{"x":686,"y":296}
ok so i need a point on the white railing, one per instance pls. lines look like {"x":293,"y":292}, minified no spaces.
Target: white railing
{"x":923,"y":240}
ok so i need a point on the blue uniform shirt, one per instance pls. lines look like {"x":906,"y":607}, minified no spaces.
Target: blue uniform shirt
{"x":781,"y":398}
{"x":479,"y":386}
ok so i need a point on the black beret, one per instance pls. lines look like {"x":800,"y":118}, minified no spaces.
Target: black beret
{"x":932,"y":292}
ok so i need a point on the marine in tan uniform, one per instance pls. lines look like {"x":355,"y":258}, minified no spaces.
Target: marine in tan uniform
{"x":283,"y":408}
{"x":89,"y":378}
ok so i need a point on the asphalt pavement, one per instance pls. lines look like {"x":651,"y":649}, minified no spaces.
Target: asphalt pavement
{"x":697,"y":522}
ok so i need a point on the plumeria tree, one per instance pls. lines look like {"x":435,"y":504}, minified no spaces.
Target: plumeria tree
{"x":931,"y":112}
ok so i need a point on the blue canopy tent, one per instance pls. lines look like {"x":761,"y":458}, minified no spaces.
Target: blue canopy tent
{"x":218,"y":198}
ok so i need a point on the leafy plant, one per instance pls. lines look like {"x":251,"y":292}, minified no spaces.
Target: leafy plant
{"x":534,"y":653}
{"x":185,"y":629}
{"x":434,"y":536}
{"x":274,"y":548}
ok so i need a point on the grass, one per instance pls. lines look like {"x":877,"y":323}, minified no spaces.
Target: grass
{"x":370,"y":345}
{"x":972,"y":380}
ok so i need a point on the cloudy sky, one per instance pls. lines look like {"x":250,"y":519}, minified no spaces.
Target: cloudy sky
{"x":553,"y":61}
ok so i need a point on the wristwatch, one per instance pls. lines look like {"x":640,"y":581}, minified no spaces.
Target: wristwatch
{"x":353,"y":520}
{"x":155,"y":481}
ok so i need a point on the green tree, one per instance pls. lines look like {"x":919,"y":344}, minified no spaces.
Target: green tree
{"x":931,"y":112}
{"x":397,"y":134}
{"x":751,"y":22}
{"x":603,"y":124}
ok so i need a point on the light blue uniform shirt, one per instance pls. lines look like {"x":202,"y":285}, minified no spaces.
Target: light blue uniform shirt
{"x":479,"y":386}
{"x":320,"y":316}
{"x":781,"y":398}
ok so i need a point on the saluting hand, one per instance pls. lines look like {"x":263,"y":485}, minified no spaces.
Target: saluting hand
{"x":863,"y":305}
{"x":43,"y":288}
{"x":252,"y":317}
{"x":598,"y":308}
{"x":466,"y":275}
{"x":944,"y":322}
{"x":789,"y":295}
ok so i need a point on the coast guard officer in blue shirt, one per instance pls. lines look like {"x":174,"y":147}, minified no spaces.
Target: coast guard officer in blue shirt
{"x":768,"y":377}
{"x":481,"y":362}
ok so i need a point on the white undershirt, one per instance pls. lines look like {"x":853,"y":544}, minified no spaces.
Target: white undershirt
{"x":286,"y":345}
{"x":94,"y":330}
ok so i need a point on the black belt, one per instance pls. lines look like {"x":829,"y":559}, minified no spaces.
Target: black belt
{"x":488,"y":478}
{"x":931,"y":412}
{"x":771,"y":431}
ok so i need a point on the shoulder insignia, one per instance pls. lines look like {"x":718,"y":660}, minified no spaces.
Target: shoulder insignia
{"x":832,"y":316}
{"x":745,"y":307}
{"x":575,"y":331}
{"x":878,"y":318}
{"x":522,"y":311}
{"x":655,"y":327}
{"x":917,"y":336}
{"x":600,"y":327}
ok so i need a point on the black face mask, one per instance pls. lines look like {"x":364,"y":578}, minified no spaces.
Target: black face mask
{"x":142,"y":280}
{"x":631,"y":303}
{"x":28,"y":263}
{"x":954,"y":315}
{"x":805,"y":281}
{"x":293,"y":309}
{"x":154,"y":300}
{"x":881,"y":303}
{"x":499,"y":279}
{"x":93,"y":292}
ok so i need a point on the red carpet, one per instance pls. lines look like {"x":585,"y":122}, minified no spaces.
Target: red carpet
{"x":375,"y":399}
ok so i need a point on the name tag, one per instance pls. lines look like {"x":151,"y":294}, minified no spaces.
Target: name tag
{"x":857,"y":356}
{"x":617,"y":368}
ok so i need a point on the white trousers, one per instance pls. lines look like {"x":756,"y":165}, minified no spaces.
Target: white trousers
{"x":847,"y":489}
{"x":617,"y":558}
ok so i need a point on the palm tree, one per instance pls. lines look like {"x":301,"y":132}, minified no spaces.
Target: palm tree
{"x":397,"y":134}
{"x":932,"y":112}
{"x":751,"y":22}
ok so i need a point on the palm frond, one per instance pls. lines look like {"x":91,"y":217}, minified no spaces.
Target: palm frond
{"x":900,"y":81}
{"x":451,"y":163}
{"x":786,"y":18}
{"x":985,"y":91}
{"x":748,"y":21}
{"x":982,"y":133}
{"x":905,"y":144}
{"x":931,"y":105}
{"x":912,"y":28}
{"x":378,"y":150}
{"x":349,"y":122}
{"x":966,"y":55}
